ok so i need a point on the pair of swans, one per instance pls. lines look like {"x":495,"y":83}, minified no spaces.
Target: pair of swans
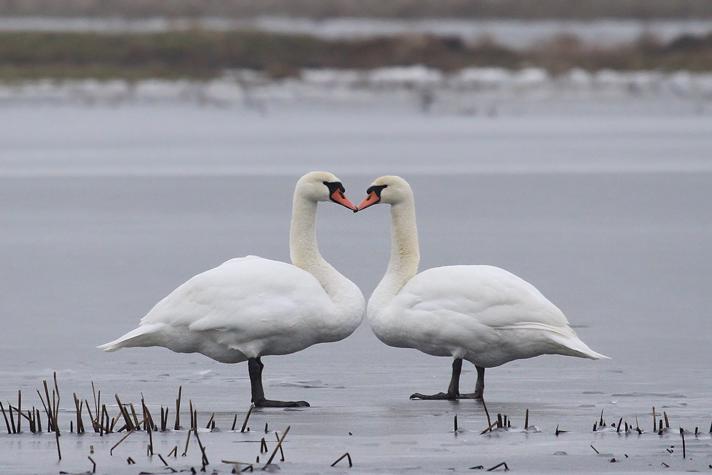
{"x":250,"y":307}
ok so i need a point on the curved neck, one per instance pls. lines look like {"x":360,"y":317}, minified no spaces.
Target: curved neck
{"x":304,"y":249}
{"x":405,"y":253}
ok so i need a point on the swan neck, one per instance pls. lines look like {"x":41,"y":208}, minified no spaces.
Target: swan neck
{"x":405,"y":252}
{"x":303,"y":245}
{"x":304,"y":248}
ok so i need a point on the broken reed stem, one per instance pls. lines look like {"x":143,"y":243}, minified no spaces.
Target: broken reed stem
{"x":192,"y":416}
{"x":137,"y":425}
{"x":489,"y":421}
{"x":47,"y":407}
{"x":111,"y":451}
{"x":202,"y":449}
{"x":506,"y":468}
{"x":78,"y":407}
{"x":667,"y":422}
{"x":56,"y":403}
{"x":32,"y":420}
{"x":655,"y":422}
{"x":94,"y":422}
{"x":93,"y":464}
{"x":279,"y":445}
{"x":113,"y":422}
{"x":684,"y":451}
{"x":187,"y":441}
{"x":164,"y":419}
{"x":595,"y":450}
{"x":348,"y":457}
{"x":526,"y":420}
{"x":177,"y":423}
{"x":59,"y":450}
{"x":12,"y":420}
{"x":489,"y":428}
{"x":210,"y":421}
{"x":281,"y":451}
{"x":454,"y":423}
{"x":7,"y":424}
{"x":150,"y":440}
{"x":96,"y":401}
{"x":19,"y":410}
{"x":174,"y":452}
{"x":247,"y":418}
{"x":234,"y":421}
{"x":109,"y":426}
{"x":125,"y":414}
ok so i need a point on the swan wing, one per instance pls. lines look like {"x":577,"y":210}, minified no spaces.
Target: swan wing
{"x":249,"y":296}
{"x":483,"y":311}
{"x":490,"y":295}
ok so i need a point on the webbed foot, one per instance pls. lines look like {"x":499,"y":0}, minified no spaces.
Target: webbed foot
{"x":271,"y":403}
{"x":432,"y":397}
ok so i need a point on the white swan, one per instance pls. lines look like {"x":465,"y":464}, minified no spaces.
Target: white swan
{"x":250,"y":307}
{"x":482,"y":314}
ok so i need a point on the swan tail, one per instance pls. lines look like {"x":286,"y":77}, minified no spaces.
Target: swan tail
{"x":141,"y":336}
{"x":573,"y":346}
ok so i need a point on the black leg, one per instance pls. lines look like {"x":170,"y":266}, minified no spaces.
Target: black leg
{"x":480,"y":385}
{"x":453,"y":390}
{"x":254,"y":365}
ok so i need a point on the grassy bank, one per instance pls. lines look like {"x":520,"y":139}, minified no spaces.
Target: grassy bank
{"x":206,"y":54}
{"x":524,"y":9}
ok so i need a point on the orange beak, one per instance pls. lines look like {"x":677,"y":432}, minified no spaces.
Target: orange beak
{"x":370,"y":200}
{"x":338,"y":197}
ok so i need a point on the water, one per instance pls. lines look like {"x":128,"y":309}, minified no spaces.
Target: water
{"x":103,"y":211}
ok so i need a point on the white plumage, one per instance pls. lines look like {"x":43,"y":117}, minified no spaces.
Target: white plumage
{"x":251,"y":307}
{"x":245,"y":308}
{"x":482,"y":314}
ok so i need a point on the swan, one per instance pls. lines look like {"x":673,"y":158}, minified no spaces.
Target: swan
{"x":479,"y":313}
{"x":249,"y":307}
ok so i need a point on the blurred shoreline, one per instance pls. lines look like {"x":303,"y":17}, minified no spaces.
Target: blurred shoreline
{"x":210,"y":54}
{"x":510,"y":32}
{"x":403,"y":9}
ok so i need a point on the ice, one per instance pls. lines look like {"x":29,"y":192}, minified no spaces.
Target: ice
{"x":104,"y":210}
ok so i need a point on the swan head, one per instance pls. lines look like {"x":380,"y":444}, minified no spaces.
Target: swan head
{"x":323,"y":186}
{"x":387,"y":189}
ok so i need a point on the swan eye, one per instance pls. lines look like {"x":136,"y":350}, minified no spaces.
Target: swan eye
{"x":377,"y":189}
{"x":334,"y":186}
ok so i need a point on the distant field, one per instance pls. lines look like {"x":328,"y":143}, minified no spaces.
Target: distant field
{"x":525,"y":9}
{"x":207,"y":54}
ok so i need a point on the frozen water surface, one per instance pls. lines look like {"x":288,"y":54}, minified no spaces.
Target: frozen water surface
{"x":103,"y":211}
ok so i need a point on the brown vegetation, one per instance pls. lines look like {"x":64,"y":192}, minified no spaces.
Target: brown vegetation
{"x":527,"y":9}
{"x":206,"y":54}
